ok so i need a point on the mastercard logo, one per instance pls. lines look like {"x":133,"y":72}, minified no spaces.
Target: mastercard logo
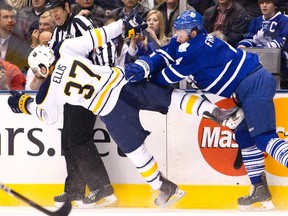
{"x":219,"y":148}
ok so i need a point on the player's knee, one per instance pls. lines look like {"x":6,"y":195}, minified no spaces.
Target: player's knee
{"x":262,"y":140}
{"x":243,"y":137}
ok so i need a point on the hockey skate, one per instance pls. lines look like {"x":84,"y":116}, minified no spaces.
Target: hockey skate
{"x":76,"y":201}
{"x":229,"y":118}
{"x":169,"y":193}
{"x":100,"y":198}
{"x":260,"y":197}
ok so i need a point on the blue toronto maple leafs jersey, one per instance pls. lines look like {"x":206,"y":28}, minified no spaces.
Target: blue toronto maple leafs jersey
{"x":214,"y":65}
{"x":267,"y":33}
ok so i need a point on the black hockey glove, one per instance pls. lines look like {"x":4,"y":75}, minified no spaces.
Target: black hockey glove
{"x":133,"y":25}
{"x":18,"y":102}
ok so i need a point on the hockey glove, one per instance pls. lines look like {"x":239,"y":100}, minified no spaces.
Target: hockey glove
{"x":133,"y":25}
{"x":18,"y":102}
{"x":136,"y":71}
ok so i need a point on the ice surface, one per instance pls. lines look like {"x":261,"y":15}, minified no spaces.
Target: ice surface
{"x":23,"y":211}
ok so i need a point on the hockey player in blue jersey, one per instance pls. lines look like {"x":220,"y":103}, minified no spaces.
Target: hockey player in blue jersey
{"x":216,"y":67}
{"x":269,"y":31}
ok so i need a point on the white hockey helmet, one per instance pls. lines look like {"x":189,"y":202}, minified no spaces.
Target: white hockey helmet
{"x":41,"y":56}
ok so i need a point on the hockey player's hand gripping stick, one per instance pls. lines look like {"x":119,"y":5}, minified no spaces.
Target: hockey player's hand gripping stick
{"x":63,"y":211}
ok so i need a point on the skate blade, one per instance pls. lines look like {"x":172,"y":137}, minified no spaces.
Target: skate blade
{"x":177,"y":196}
{"x":106,"y":201}
{"x":259,"y":206}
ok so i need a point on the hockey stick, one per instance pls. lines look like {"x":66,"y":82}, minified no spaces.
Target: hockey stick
{"x":151,"y":39}
{"x":238,"y":160}
{"x":63,"y":211}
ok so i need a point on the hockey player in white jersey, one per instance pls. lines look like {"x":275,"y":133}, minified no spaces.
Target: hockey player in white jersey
{"x":104,"y":91}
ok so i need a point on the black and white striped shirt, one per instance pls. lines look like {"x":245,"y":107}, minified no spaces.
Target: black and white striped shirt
{"x":75,"y":26}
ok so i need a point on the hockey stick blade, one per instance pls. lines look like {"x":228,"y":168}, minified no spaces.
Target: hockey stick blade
{"x":63,"y":211}
{"x":238,"y":161}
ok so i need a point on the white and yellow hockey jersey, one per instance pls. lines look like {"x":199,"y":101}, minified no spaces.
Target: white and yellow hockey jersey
{"x":75,"y":80}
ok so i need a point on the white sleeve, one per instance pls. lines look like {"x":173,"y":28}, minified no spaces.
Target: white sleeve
{"x":111,"y":31}
{"x":92,"y":39}
{"x":47,"y":116}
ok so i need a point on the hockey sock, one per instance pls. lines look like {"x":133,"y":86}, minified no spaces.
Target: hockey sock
{"x":190,"y":103}
{"x":278,"y":149}
{"x":253,"y":160}
{"x":146,"y":166}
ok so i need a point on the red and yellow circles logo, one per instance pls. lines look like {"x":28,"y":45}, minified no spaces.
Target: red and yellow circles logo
{"x":219,"y":148}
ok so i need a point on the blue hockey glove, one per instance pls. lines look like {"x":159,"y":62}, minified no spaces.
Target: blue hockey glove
{"x":18,"y":102}
{"x":133,"y":25}
{"x":136,"y":71}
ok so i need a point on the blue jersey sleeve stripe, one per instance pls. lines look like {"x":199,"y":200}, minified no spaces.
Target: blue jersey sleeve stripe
{"x":234,"y":74}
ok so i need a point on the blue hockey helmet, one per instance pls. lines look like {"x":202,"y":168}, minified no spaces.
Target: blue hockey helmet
{"x":189,"y":20}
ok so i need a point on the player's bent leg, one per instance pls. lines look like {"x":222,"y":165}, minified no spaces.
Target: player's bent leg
{"x":192,"y":104}
{"x":278,"y":149}
{"x":259,"y":198}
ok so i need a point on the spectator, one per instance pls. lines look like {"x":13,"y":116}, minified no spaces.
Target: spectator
{"x":270,"y":30}
{"x":200,"y":5}
{"x":141,"y":45}
{"x":83,"y":162}
{"x":90,"y":10}
{"x":26,"y":16}
{"x":18,"y":4}
{"x":45,"y":23}
{"x":11,"y":78}
{"x":109,"y":5}
{"x":33,"y":78}
{"x":156,"y":29}
{"x":228,"y":17}
{"x":12,"y":48}
{"x":7,"y":24}
{"x":129,"y":7}
{"x":44,"y":38}
{"x":251,"y":7}
{"x":170,"y":10}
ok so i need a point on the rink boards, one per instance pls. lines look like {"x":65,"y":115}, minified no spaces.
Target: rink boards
{"x":197,"y":154}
